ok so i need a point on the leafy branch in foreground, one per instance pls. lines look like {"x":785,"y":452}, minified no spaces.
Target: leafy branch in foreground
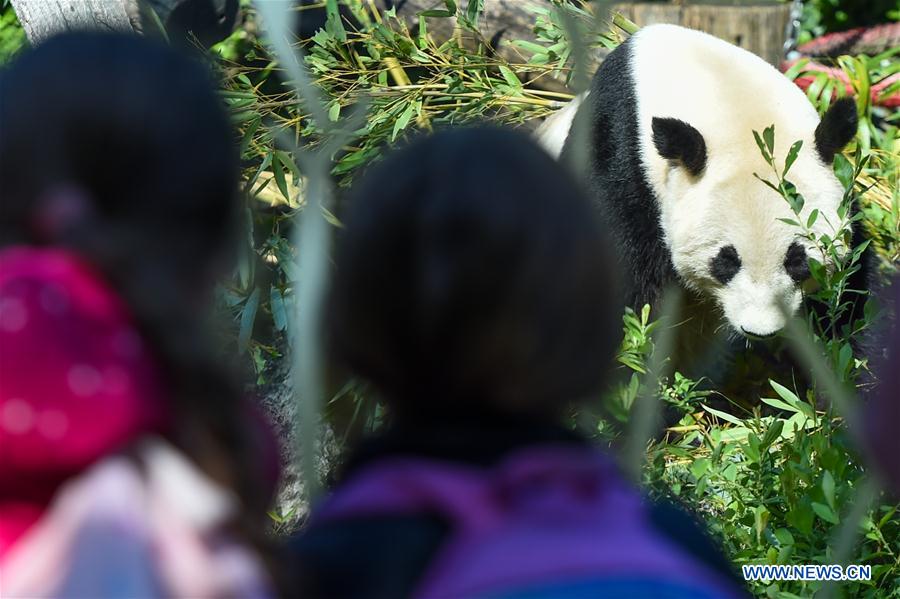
{"x":407,"y":82}
{"x":878,"y":185}
{"x":834,"y":245}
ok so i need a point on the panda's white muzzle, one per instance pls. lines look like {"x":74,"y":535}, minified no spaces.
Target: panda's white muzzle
{"x":759,"y":309}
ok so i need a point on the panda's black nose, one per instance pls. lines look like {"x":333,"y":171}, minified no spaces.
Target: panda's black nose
{"x":758,"y":335}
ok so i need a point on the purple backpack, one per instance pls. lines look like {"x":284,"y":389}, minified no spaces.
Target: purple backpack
{"x":547,"y":521}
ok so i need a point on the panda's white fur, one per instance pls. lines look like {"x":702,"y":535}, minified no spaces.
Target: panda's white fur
{"x":552,"y":133}
{"x":725,"y":93}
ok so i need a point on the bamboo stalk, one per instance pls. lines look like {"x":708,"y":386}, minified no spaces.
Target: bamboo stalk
{"x":396,"y":71}
{"x":427,"y":86}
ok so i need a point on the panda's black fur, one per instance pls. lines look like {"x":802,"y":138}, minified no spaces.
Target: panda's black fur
{"x":617,"y":183}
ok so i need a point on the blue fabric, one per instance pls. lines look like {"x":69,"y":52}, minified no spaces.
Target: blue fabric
{"x":606,"y":588}
{"x":110,"y":563}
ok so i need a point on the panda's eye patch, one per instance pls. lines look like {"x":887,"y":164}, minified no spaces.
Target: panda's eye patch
{"x":725,"y":265}
{"x":796,"y":264}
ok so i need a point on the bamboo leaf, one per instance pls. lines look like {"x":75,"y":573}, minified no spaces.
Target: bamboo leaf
{"x":825,"y":513}
{"x":436,"y":13}
{"x":278,"y":173}
{"x":334,"y":112}
{"x":777,"y":403}
{"x":828,"y":488}
{"x":813,"y":215}
{"x":473,"y":10}
{"x":791,"y":398}
{"x":248,"y":317}
{"x":792,"y":156}
{"x":769,"y":138}
{"x":403,"y":120}
{"x":276,"y":304}
{"x":723,"y":415}
{"x":510,"y":77}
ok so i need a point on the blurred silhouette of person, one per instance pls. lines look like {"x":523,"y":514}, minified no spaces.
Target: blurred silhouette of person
{"x":130,"y":463}
{"x":475,"y":289}
{"x":882,"y":418}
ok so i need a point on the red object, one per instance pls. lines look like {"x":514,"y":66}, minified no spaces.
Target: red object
{"x":76,"y":382}
{"x":862,"y":40}
{"x":804,"y":81}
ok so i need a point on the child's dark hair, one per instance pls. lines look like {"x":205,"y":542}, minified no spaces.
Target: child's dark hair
{"x":473,"y":274}
{"x":118,"y":148}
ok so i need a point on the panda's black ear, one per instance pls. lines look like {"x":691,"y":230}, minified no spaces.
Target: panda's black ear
{"x":676,"y":140}
{"x":837,"y":128}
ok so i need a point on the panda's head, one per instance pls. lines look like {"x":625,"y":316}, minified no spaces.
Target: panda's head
{"x":722,"y":224}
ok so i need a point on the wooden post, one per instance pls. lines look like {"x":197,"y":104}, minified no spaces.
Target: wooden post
{"x":759,"y":27}
{"x":42,"y":18}
{"x":650,"y":13}
{"x":206,"y":20}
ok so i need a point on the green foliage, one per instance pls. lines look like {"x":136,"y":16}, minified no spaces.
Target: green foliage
{"x":878,"y":140}
{"x":878,"y":127}
{"x":836,"y":247}
{"x":551,"y":30}
{"x":12,"y":36}
{"x":775,"y":488}
{"x":404,"y":80}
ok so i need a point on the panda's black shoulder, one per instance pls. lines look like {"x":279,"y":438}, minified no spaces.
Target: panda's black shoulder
{"x":613,"y":116}
{"x":615,"y":72}
{"x":617,"y":179}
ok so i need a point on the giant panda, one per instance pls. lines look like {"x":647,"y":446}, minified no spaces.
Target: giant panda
{"x":671,"y":157}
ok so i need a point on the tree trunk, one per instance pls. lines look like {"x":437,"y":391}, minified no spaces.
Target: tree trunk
{"x":43,"y":18}
{"x":760,"y":28}
{"x":207,"y":21}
